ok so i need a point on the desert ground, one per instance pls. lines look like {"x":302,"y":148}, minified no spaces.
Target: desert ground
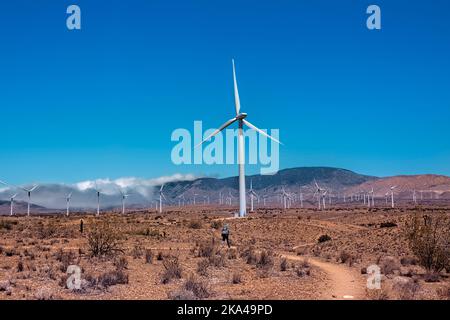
{"x":292,"y":254}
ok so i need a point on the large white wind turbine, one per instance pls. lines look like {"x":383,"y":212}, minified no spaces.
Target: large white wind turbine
{"x":240,"y":118}
{"x":29,"y":191}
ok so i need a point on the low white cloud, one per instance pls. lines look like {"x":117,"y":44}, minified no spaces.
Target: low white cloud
{"x":53,"y":196}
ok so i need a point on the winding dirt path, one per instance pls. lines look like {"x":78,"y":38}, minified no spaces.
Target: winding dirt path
{"x":345,"y":283}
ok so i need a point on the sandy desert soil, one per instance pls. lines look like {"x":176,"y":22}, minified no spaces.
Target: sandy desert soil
{"x":275,"y":254}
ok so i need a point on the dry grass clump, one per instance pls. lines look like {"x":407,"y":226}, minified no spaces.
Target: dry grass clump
{"x":283,"y":264}
{"x":406,"y":288}
{"x":249,"y":255}
{"x":216,"y":224}
{"x":137,"y":252}
{"x":303,"y":269}
{"x":148,"y":256}
{"x":198,"y":287}
{"x":103,"y":240}
{"x":112,"y":278}
{"x":195,"y":224}
{"x":345,"y":257}
{"x":65,"y":257}
{"x":265,"y":260}
{"x":207,"y":249}
{"x":236,"y":278}
{"x":121,"y":263}
{"x":202,"y":267}
{"x":173,"y":269}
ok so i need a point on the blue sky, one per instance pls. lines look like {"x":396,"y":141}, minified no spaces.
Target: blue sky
{"x":102,"y":102}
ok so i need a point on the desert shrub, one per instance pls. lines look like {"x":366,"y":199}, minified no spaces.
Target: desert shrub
{"x":6,"y":225}
{"x":431,"y":277}
{"x":202,"y":267}
{"x":265,"y":259}
{"x":19,"y":266}
{"x":160,"y":256}
{"x":429,"y":240}
{"x":182,"y":294}
{"x":121,"y":263}
{"x":112,"y":278}
{"x":207,"y":249}
{"x":148,"y":256}
{"x":345,"y":257}
{"x":388,"y":265}
{"x":46,"y":231}
{"x":283,"y":264}
{"x":217,"y":260}
{"x":388,"y":224}
{"x":236,"y":278}
{"x":405,"y":287}
{"x":103,"y":240}
{"x":137,"y":252}
{"x":303,"y":269}
{"x":216,"y":224}
{"x":443,"y":292}
{"x":197,"y":287}
{"x":408,"y":261}
{"x":324,"y":238}
{"x":44,"y":294}
{"x":172,"y":269}
{"x":232,"y":254}
{"x":195,"y":224}
{"x":65,"y":257}
{"x":377,"y":294}
{"x":249,"y":255}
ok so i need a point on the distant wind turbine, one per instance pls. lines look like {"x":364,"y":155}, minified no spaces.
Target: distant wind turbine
{"x":252,"y":195}
{"x":68,"y":197}
{"x":98,"y":192}
{"x":392,"y":196}
{"x":240,"y":118}
{"x":11,"y":199}
{"x":29,"y":191}
{"x":123,"y":197}
{"x":161,"y":196}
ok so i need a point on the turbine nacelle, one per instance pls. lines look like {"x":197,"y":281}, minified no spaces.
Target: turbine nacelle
{"x":241,"y":116}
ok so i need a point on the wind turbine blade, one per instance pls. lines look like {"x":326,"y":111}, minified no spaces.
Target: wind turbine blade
{"x":237,"y":101}
{"x":226,"y":124}
{"x":162,"y":186}
{"x":1,"y":182}
{"x":164,"y":197}
{"x":12,"y":197}
{"x":34,"y":187}
{"x":260,"y":131}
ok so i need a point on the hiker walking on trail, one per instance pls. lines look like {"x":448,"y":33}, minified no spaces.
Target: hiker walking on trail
{"x":226,"y":234}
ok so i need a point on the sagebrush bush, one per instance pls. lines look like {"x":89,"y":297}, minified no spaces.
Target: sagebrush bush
{"x":202,"y":267}
{"x":324,"y":238}
{"x":103,"y":240}
{"x":429,"y":240}
{"x":172,"y":269}
{"x":197,"y":287}
{"x":148,"y":256}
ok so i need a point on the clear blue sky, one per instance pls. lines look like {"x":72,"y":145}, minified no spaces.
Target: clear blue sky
{"x":103,"y":101}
